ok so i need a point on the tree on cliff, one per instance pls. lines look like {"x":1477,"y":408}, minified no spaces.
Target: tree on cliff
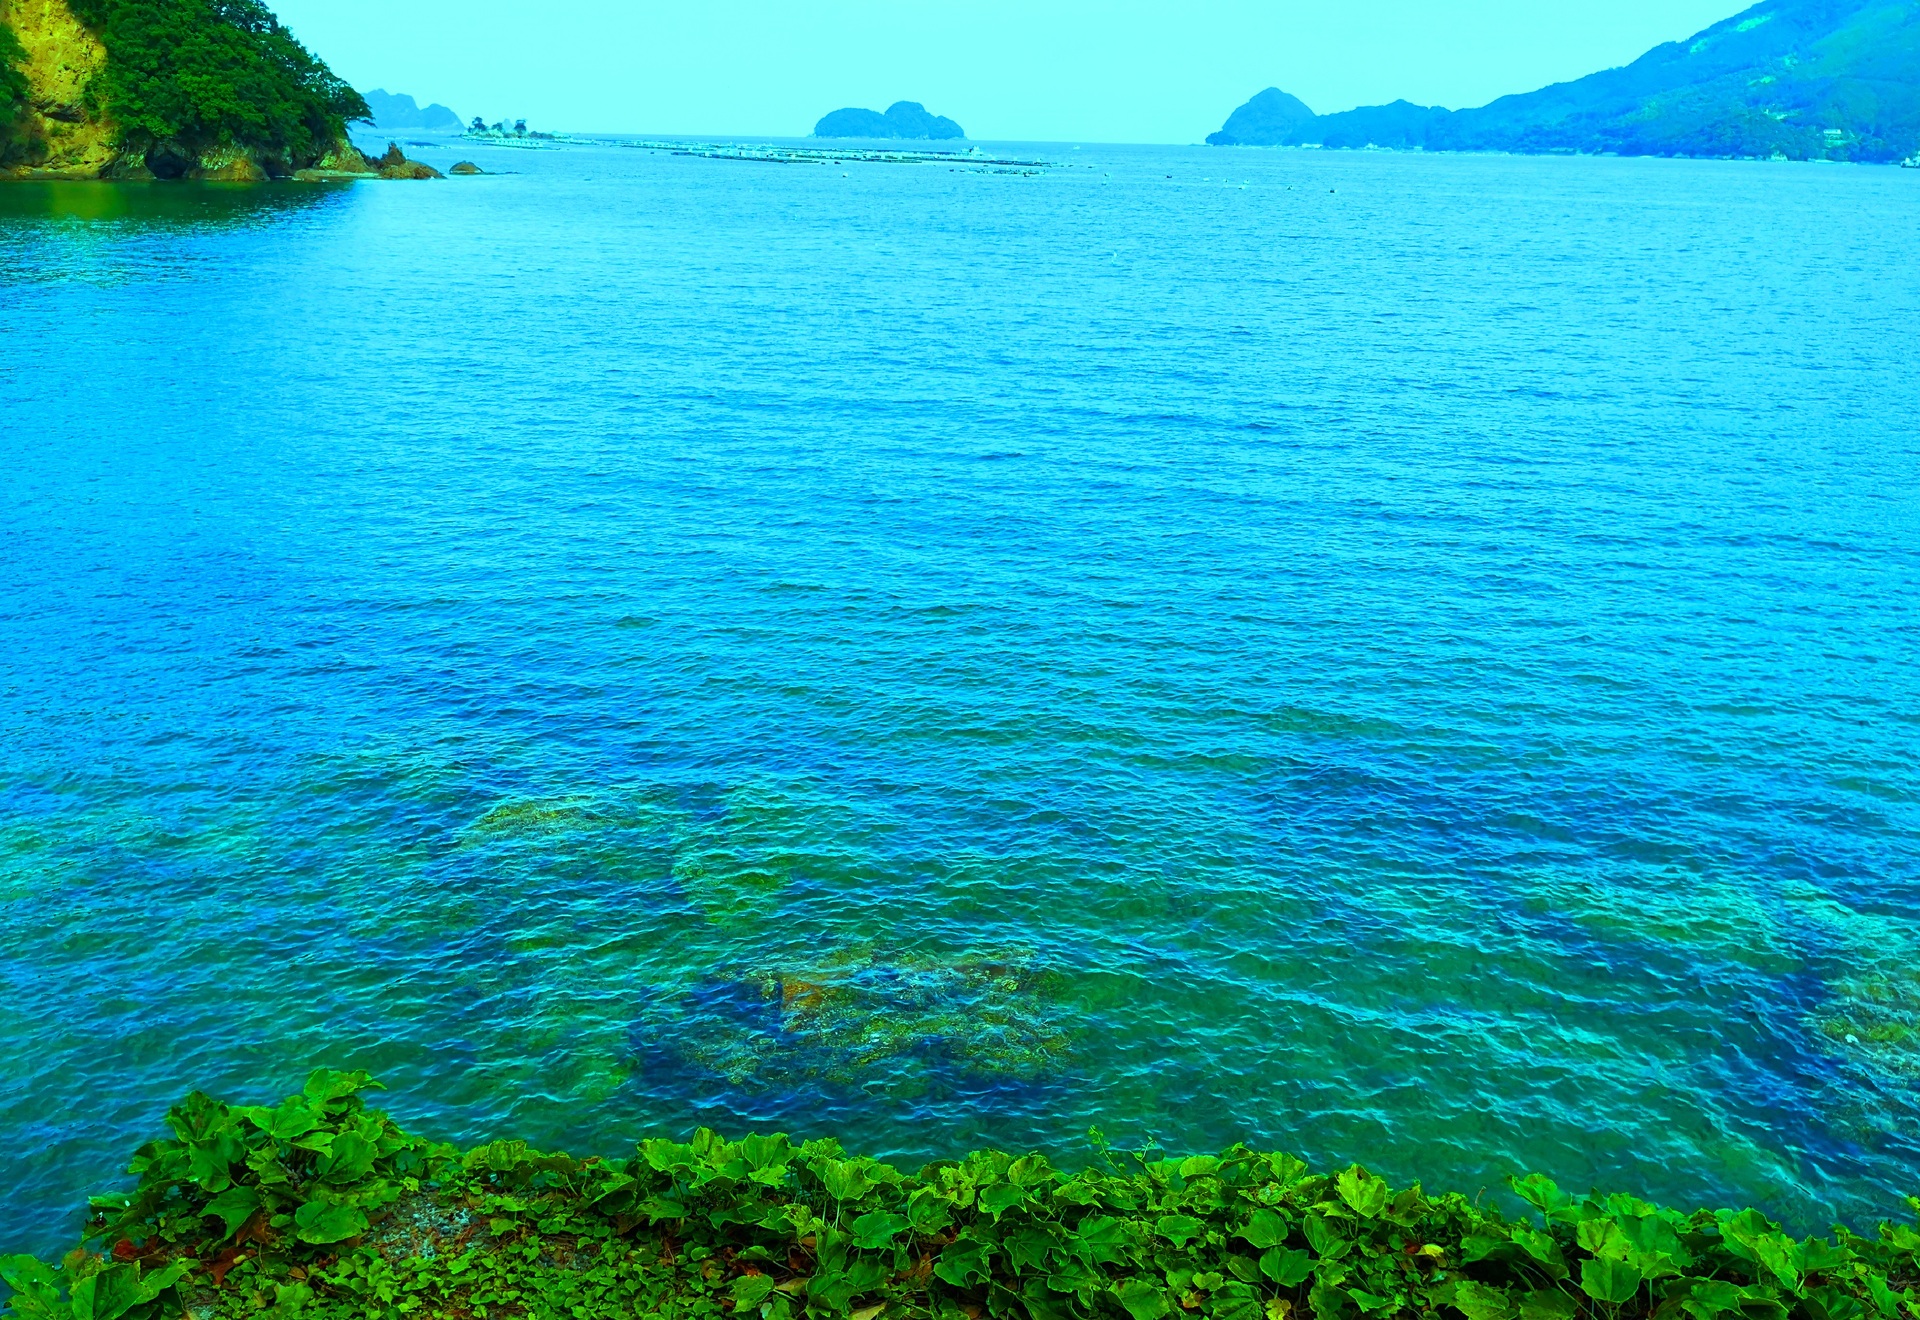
{"x":196,"y":74}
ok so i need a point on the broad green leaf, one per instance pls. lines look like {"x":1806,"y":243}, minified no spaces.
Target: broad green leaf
{"x":29,"y":1276}
{"x":1831,"y":1303}
{"x":1708,"y":1298}
{"x":1602,"y":1237}
{"x":325,"y":1085}
{"x":1369,"y":1302}
{"x":1199,"y":1166}
{"x":116,"y":1289}
{"x":1235,"y":1301}
{"x":1611,"y":1281}
{"x":1364,"y":1193}
{"x":1327,"y":1300}
{"x":666,"y":1156}
{"x":1287,"y":1169}
{"x":350,"y":1159}
{"x":1179,"y":1229}
{"x":1043,"y":1302}
{"x":1029,"y":1250}
{"x":1288,"y":1269}
{"x":1101,"y":1240}
{"x":321,"y":1222}
{"x":1029,"y":1171}
{"x":285,"y":1121}
{"x":234,"y":1207}
{"x":844,"y":1181}
{"x":1244,"y":1269}
{"x":210,"y":1163}
{"x":1542,"y":1248}
{"x":1540,"y":1192}
{"x":749,"y":1290}
{"x":1740,"y":1232}
{"x":1819,"y":1256}
{"x":996,"y":1201}
{"x":1266,"y":1229}
{"x":1548,"y":1304}
{"x":928,"y":1211}
{"x":1479,"y":1301}
{"x":1476,"y":1247}
{"x":766,"y":1152}
{"x":1781,"y":1256}
{"x":874,"y":1231}
{"x":1325,"y":1242}
{"x":1408,"y":1207}
{"x":962,"y":1262}
{"x":1143,"y":1300}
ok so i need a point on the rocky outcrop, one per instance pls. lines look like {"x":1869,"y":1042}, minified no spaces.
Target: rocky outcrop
{"x":55,"y":135}
{"x":466,"y":167}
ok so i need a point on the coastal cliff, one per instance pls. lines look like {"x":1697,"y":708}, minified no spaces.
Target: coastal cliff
{"x":165,"y":89}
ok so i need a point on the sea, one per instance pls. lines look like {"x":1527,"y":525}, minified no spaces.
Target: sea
{"x":1405,"y":659}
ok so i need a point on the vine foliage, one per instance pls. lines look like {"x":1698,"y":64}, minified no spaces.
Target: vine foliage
{"x":323,"y":1209}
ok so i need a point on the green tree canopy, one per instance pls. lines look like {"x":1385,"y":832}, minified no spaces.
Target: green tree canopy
{"x":207,"y":73}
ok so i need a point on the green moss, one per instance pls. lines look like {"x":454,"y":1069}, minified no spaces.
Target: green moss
{"x":319,"y":1207}
{"x":199,"y":74}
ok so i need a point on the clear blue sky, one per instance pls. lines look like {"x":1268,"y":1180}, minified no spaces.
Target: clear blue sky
{"x":1043,"y":70}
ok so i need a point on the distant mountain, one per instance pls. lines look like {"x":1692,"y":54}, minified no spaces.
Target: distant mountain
{"x":904,"y":119}
{"x":392,"y":110}
{"x":1803,"y":79}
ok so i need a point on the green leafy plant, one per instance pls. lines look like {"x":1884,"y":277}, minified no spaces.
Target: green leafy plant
{"x":320,"y":1208}
{"x":312,"y":1168}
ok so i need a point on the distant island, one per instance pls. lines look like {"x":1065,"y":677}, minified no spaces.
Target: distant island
{"x":172,"y":89}
{"x":903,"y":119}
{"x":1790,"y":79}
{"x":395,"y":112}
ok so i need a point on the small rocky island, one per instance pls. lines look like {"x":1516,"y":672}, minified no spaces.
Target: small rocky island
{"x":903,"y":119}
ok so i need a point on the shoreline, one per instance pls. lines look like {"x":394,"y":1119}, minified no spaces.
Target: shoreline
{"x":323,"y":1208}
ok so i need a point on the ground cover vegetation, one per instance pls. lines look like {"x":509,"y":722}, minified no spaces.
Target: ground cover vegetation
{"x":189,"y":76}
{"x":323,"y":1208}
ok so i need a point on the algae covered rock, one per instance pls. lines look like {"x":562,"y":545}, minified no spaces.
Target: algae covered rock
{"x":411,"y":169}
{"x":466,"y":167}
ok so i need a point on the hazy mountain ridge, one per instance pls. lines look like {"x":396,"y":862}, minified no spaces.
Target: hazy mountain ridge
{"x":1805,"y":79}
{"x":397,"y":110}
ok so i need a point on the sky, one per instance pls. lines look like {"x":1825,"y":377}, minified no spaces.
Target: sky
{"x":1007,"y":70}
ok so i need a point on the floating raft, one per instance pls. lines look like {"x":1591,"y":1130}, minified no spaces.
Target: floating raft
{"x":972,"y":159}
{"x":767,"y":153}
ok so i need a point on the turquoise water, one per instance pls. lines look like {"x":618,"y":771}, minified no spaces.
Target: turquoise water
{"x":1403,"y":659}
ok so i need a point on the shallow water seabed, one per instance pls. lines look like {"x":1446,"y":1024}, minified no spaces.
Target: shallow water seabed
{"x":1411,"y":662}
